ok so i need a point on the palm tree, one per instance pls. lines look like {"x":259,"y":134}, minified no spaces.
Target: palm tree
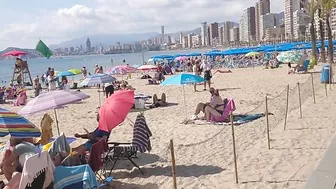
{"x":327,"y":6}
{"x":321,"y":25}
{"x":311,"y":8}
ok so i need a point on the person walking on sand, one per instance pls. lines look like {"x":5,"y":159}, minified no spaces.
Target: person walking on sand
{"x":196,"y":71}
{"x":206,"y":67}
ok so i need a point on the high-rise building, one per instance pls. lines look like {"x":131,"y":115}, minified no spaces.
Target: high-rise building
{"x":290,"y":7}
{"x":181,"y":37}
{"x":333,"y":22}
{"x":220,"y":33}
{"x":88,"y":45}
{"x":300,"y":22}
{"x":162,"y":35}
{"x":234,"y":35}
{"x":270,"y":20}
{"x":204,"y":33}
{"x":189,"y":38}
{"x":169,"y":40}
{"x":247,"y":25}
{"x":196,"y":41}
{"x":185,"y":42}
{"x":213,"y":30}
{"x":262,"y":8}
{"x":226,"y":32}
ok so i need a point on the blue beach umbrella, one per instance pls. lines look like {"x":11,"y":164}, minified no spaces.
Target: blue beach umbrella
{"x":183,"y":79}
{"x":65,"y":73}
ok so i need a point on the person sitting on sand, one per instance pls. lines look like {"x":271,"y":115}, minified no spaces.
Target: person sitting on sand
{"x":159,"y":102}
{"x":214,"y":107}
{"x":92,"y":137}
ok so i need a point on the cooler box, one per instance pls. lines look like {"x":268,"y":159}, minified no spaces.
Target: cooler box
{"x":139,"y":103}
{"x":325,"y":74}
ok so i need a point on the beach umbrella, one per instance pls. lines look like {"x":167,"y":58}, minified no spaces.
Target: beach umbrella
{"x":194,"y":54}
{"x":121,"y":69}
{"x":14,"y":53}
{"x":289,"y":56}
{"x":98,"y":79}
{"x":65,"y":73}
{"x":16,"y":125}
{"x":75,"y":71}
{"x":183,"y":79}
{"x":115,"y":109}
{"x":52,"y":100}
{"x":181,"y":58}
{"x":252,"y":54}
{"x":147,"y":67}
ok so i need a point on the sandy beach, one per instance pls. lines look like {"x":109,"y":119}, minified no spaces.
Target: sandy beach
{"x":204,"y":155}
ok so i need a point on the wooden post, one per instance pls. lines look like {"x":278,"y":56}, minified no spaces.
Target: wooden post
{"x":286,"y":113}
{"x":325,"y":88}
{"x":312,"y":78}
{"x":267,"y":125}
{"x":173,"y":163}
{"x":300,"y":99}
{"x":234,"y":147}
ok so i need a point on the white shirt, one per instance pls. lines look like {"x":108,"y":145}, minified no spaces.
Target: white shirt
{"x":52,"y":83}
{"x":206,"y":66}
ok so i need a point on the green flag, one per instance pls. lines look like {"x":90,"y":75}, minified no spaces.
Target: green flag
{"x":43,"y":49}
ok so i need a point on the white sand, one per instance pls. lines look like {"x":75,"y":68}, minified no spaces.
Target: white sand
{"x":287,"y":164}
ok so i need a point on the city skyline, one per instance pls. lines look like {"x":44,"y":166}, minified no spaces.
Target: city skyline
{"x":63,"y":20}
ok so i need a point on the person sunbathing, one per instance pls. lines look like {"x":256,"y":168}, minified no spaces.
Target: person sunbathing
{"x":223,"y":71}
{"x":92,"y":137}
{"x":15,"y":157}
{"x":159,"y":102}
{"x":214,"y":107}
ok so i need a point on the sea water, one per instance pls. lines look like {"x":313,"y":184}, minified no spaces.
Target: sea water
{"x":39,"y":66}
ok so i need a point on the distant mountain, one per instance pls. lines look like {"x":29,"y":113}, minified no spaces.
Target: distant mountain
{"x":31,"y":53}
{"x":106,"y":39}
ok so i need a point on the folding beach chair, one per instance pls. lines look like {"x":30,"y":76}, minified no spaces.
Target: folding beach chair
{"x":96,"y":157}
{"x":128,"y":151}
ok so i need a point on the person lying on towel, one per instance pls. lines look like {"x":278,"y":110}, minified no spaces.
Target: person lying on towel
{"x":214,"y":107}
{"x":92,"y":137}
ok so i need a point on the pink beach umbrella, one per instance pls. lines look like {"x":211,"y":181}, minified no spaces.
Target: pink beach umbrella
{"x":181,"y":58}
{"x":147,"y":67}
{"x":115,"y":109}
{"x":14,"y":53}
{"x":121,"y":69}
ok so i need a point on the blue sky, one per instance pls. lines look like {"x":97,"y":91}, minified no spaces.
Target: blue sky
{"x":23,"y":23}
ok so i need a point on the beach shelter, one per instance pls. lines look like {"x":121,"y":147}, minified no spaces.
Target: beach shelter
{"x":183,"y":79}
{"x":52,"y":100}
{"x":16,"y":125}
{"x":289,"y":56}
{"x":65,"y":73}
{"x":147,"y":67}
{"x":75,"y":71}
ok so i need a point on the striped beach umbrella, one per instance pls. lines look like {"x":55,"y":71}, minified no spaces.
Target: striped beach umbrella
{"x":98,"y":79}
{"x":289,"y":56}
{"x":121,"y":69}
{"x":16,"y":125}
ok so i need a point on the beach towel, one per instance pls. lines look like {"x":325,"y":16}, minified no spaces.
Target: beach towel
{"x":141,"y":135}
{"x":95,"y":158}
{"x":237,"y":120}
{"x":34,"y":166}
{"x":230,"y":107}
{"x":66,"y":176}
{"x":59,"y":145}
{"x":46,"y":130}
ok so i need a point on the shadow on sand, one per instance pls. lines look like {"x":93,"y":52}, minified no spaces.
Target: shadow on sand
{"x":229,"y":89}
{"x":120,"y":185}
{"x":181,"y":171}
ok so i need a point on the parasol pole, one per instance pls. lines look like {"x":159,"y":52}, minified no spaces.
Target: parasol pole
{"x":56,"y":122}
{"x":185,"y":103}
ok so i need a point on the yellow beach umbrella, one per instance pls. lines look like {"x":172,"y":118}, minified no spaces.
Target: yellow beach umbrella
{"x":253,"y":54}
{"x":75,"y":71}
